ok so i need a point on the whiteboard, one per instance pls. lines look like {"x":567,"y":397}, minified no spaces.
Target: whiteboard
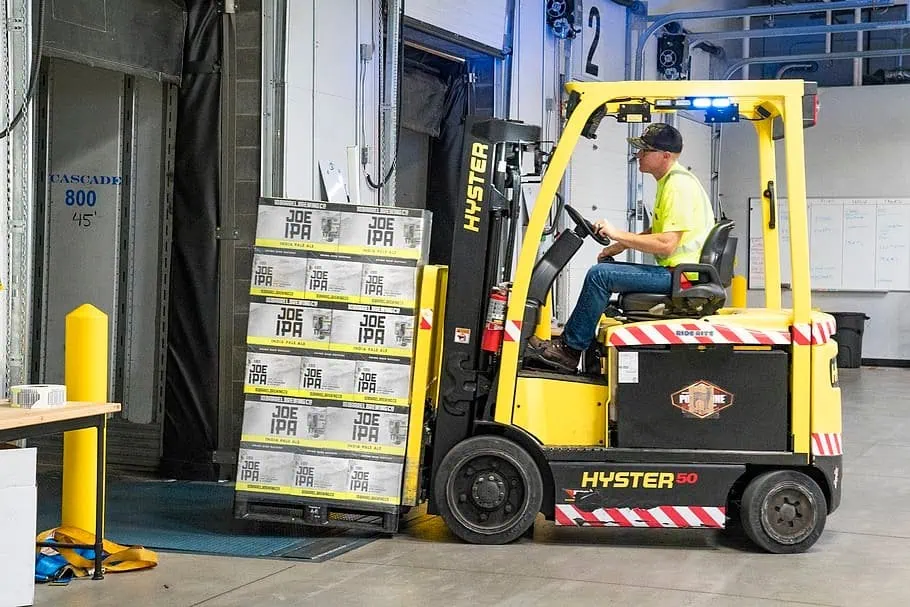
{"x":855,"y":244}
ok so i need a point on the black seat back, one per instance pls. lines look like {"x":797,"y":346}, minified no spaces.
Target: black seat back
{"x":719,"y":250}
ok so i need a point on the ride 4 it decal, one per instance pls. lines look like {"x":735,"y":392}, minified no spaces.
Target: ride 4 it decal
{"x":702,"y":400}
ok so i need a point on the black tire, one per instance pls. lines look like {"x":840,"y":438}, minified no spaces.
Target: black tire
{"x":784,"y":511}
{"x":488,"y":490}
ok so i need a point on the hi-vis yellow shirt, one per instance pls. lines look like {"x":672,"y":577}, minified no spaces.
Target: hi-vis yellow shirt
{"x":682,"y":205}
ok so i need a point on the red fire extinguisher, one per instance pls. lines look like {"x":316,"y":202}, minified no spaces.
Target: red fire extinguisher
{"x":494,"y":325}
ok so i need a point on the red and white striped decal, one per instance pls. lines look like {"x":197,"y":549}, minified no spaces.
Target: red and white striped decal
{"x":513,"y":330}
{"x":815,"y":333}
{"x":700,"y":332}
{"x":668,"y":517}
{"x":426,"y":319}
{"x":694,"y":332}
{"x":827,"y":443}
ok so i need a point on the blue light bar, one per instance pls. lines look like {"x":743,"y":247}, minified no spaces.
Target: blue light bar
{"x":721,"y":102}
{"x":701,"y":102}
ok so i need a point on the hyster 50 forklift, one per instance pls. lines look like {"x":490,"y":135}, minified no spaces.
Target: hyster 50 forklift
{"x":686,"y":412}
{"x":697,"y":415}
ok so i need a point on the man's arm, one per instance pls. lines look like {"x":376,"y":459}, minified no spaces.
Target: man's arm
{"x":616,"y":248}
{"x":663,"y":243}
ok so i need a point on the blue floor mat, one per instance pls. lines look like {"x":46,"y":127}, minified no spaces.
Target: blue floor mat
{"x":197,"y":517}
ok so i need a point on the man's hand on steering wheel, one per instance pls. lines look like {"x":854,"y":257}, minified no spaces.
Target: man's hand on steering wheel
{"x":605,"y":229}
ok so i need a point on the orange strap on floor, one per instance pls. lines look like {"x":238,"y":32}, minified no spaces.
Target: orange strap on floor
{"x":117,"y":558}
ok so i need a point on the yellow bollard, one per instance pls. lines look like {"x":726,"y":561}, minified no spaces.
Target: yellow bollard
{"x":86,"y":352}
{"x":738,"y":292}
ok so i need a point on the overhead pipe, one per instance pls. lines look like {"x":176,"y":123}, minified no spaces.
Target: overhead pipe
{"x":800,"y":31}
{"x":809,"y":66}
{"x":790,"y":9}
{"x":815,"y":57}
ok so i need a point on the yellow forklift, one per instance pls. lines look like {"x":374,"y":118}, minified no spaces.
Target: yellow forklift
{"x":697,"y":415}
{"x":686,"y":413}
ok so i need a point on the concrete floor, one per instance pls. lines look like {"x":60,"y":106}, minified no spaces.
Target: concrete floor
{"x":863,"y":557}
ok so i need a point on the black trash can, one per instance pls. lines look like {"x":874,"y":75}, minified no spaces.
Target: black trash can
{"x":849,"y":338}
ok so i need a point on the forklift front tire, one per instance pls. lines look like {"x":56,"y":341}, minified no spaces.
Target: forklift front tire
{"x":488,"y":490}
{"x":784,"y":511}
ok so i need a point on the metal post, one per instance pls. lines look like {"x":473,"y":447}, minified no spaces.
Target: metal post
{"x":85,"y":372}
{"x":390,"y":104}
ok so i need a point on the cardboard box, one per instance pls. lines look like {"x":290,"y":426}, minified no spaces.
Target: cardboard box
{"x":388,"y":282}
{"x":306,"y":473}
{"x":385,"y":231}
{"x":334,"y":277}
{"x":324,"y":425}
{"x":373,"y":329}
{"x":282,"y":322}
{"x":18,"y":507}
{"x":331,"y":336}
{"x":279,"y":273}
{"x":298,"y":224}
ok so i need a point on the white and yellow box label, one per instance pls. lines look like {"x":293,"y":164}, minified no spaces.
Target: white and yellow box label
{"x":319,"y":424}
{"x":333,"y":277}
{"x":373,"y":329}
{"x":388,"y":283}
{"x":387,"y":231}
{"x":298,"y":224}
{"x":274,"y":372}
{"x":382,"y":382}
{"x":275,"y":321}
{"x":305,"y":473}
{"x":279,"y":273}
{"x":327,"y":375}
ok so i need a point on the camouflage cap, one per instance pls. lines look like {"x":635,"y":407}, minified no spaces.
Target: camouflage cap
{"x":659,"y":136}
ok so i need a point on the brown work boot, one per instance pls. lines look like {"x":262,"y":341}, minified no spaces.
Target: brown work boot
{"x":557,"y":354}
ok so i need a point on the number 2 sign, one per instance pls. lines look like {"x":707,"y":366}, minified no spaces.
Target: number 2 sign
{"x":600,"y":45}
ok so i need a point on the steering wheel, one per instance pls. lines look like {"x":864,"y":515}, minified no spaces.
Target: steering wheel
{"x":585,"y":227}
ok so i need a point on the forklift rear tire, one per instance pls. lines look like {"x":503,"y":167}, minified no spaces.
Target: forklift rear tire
{"x":784,"y":511}
{"x":488,"y":490}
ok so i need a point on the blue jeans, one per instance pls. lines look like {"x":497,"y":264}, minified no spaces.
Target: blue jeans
{"x":602,"y":280}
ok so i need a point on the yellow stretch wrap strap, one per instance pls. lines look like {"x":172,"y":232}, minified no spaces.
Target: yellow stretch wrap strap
{"x":118,"y":558}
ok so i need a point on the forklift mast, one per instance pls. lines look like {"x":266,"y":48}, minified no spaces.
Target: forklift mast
{"x":482,"y":249}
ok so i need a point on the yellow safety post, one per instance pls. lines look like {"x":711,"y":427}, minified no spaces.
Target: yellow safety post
{"x":738,"y":292}
{"x":86,"y":351}
{"x":544,"y":326}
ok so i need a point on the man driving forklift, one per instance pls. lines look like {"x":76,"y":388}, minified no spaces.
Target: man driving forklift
{"x":682,"y":219}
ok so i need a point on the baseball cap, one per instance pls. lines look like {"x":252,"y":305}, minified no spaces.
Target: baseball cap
{"x":658,"y":136}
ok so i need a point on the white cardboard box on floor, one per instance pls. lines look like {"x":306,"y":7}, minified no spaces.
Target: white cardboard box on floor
{"x":18,"y":506}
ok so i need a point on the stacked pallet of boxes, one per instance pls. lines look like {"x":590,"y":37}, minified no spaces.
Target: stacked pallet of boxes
{"x":330,"y":341}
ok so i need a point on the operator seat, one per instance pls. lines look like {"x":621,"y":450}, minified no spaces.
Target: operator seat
{"x":706,"y":293}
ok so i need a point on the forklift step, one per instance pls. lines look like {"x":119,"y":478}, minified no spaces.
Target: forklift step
{"x":682,"y":456}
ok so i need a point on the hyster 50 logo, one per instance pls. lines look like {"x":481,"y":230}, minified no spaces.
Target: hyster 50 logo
{"x":637,"y":480}
{"x":702,"y":399}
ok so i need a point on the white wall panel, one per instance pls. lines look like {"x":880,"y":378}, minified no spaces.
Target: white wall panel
{"x":299,"y":89}
{"x":323,"y":76}
{"x":528,"y":74}
{"x":335,"y":84}
{"x":849,"y":153}
{"x":479,"y":20}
